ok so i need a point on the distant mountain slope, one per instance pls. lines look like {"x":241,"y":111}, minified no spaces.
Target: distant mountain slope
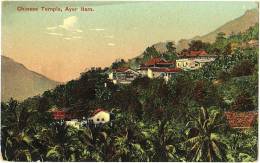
{"x":240,"y":24}
{"x":20,"y":83}
{"x":161,"y":46}
{"x":235,"y":26}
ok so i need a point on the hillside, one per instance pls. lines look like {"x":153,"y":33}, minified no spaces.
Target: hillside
{"x":20,"y":83}
{"x":235,"y":26}
{"x":197,"y":116}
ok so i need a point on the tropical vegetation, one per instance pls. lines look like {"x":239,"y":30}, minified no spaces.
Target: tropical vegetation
{"x":182,"y":120}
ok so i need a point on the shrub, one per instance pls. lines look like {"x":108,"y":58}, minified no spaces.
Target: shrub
{"x":244,"y":68}
{"x":224,"y":76}
{"x":243,"y":102}
{"x":205,"y":94}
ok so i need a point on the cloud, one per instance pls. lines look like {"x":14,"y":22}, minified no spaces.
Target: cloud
{"x":68,"y":30}
{"x":76,"y":37}
{"x":78,"y":30}
{"x":72,"y":38}
{"x":111,"y":44}
{"x":70,"y":24}
{"x":109,"y":36}
{"x":67,"y":38}
{"x":56,"y":34}
{"x":51,"y":28}
{"x":97,"y":29}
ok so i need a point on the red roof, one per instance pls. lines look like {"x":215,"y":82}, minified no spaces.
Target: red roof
{"x":166,"y":69}
{"x":198,"y":53}
{"x":194,"y":53}
{"x":122,"y":69}
{"x":153,"y":61}
{"x":58,"y":114}
{"x":241,"y":119}
{"x":165,"y":62}
{"x":98,"y":110}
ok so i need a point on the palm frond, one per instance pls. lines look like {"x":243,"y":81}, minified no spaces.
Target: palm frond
{"x":193,"y":140}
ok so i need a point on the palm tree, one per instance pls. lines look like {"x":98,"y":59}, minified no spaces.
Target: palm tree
{"x":60,"y":142}
{"x":16,"y":126}
{"x":203,"y":141}
{"x":165,"y":140}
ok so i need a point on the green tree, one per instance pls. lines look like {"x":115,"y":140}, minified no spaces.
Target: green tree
{"x":243,"y":102}
{"x":243,"y":68}
{"x":16,"y":125}
{"x":118,"y":63}
{"x":204,"y":141}
{"x":150,"y":52}
{"x":198,"y":45}
{"x":242,"y":146}
{"x":170,"y":46}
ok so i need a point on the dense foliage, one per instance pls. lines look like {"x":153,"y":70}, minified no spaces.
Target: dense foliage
{"x":181,"y":120}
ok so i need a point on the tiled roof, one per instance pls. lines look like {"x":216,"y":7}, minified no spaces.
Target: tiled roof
{"x":122,"y":69}
{"x":194,"y":53}
{"x":166,"y":69}
{"x":153,"y":61}
{"x":198,"y":53}
{"x":162,"y":62}
{"x":157,"y":61}
{"x":241,"y":119}
{"x":98,"y":110}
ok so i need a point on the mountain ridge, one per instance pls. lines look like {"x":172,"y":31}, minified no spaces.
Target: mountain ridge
{"x":20,"y":82}
{"x":239,"y":24}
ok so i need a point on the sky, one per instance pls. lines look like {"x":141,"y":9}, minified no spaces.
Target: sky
{"x":61,"y":45}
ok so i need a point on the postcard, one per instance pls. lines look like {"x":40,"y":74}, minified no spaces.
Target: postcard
{"x":131,"y":81}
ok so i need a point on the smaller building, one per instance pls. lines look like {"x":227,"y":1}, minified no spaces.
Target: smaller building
{"x":241,"y":120}
{"x":123,"y":75}
{"x":65,"y":113}
{"x":158,"y":62}
{"x":196,"y":54}
{"x":165,"y":73}
{"x":183,"y":63}
{"x":73,"y":123}
{"x":60,"y":113}
{"x":198,"y":63}
{"x":100,"y":116}
{"x":192,"y":64}
{"x":155,"y":64}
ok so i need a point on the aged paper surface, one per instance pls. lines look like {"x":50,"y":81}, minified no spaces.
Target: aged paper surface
{"x":129,"y":81}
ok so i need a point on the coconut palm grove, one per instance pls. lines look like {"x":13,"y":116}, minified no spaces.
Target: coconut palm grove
{"x":205,"y":114}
